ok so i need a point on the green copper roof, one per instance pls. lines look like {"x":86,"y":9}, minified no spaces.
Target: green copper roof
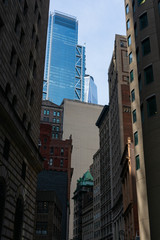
{"x":87,"y":176}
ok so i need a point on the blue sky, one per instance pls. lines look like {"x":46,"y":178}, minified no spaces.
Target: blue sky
{"x":98,"y":22}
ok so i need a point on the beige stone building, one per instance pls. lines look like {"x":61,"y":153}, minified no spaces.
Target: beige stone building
{"x":143,"y":36}
{"x":23,"y":26}
{"x":79,"y":121}
{"x":120,"y":125}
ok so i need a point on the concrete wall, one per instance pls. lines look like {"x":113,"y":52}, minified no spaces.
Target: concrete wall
{"x":79,"y":120}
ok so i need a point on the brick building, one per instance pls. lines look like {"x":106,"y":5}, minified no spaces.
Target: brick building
{"x":23,"y":26}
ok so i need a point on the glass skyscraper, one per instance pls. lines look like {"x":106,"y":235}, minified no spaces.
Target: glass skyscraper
{"x":90,"y":90}
{"x":65,"y":60}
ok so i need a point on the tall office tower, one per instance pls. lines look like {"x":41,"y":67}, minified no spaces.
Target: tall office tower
{"x":23,"y":30}
{"x":79,"y":121}
{"x":65,"y":60}
{"x":143,"y":32}
{"x":105,"y":176}
{"x":120,"y":125}
{"x":90,"y":90}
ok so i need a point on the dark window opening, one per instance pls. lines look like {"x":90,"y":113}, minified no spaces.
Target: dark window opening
{"x":8,"y":89}
{"x":151,"y":106}
{"x":14,"y":101}
{"x":13,"y":56}
{"x":41,"y":228}
{"x":1,"y":24}
{"x":148,"y":74}
{"x":29,"y":127}
{"x":137,"y":162}
{"x":21,"y":40}
{"x":23,"y":174}
{"x":18,"y":67}
{"x":24,"y":118}
{"x":18,"y":221}
{"x":143,"y":21}
{"x":25,"y":10}
{"x":6,"y":148}
{"x":136,"y":138}
{"x":146,"y":46}
{"x":39,"y":19}
{"x":37,"y":43}
{"x":34,"y":69}
{"x":17,"y":25}
{"x":133,"y":95}
{"x":134,"y":116}
{"x":27,"y":89}
{"x":32,"y":98}
{"x":2,"y":201}
{"x":51,"y":150}
{"x":62,"y":151}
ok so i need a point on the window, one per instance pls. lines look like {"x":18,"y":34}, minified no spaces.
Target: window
{"x":61,"y":163}
{"x":140,"y":2}
{"x":142,"y":113}
{"x":54,"y":113}
{"x":128,"y":24}
{"x":56,"y":135}
{"x":148,"y":74}
{"x":23,"y":174}
{"x":54,"y":120}
{"x":18,"y":221}
{"x":151,"y":106}
{"x":44,"y":112}
{"x":131,"y":76}
{"x":2,"y":201}
{"x":50,"y":161}
{"x":137,"y":162}
{"x":129,"y":40}
{"x":13,"y":56}
{"x":53,"y":135}
{"x":58,"y":114}
{"x":47,"y":112}
{"x":127,"y":9}
{"x":133,"y":95}
{"x":143,"y":21}
{"x":25,"y":10}
{"x":134,"y":116}
{"x":62,"y":151}
{"x":45,"y":140}
{"x":41,"y":228}
{"x":42,"y":207}
{"x":135,"y":138}
{"x":27,"y":89}
{"x":6,"y":148}
{"x":18,"y":67}
{"x":57,"y":129}
{"x":17,"y":25}
{"x":34,"y":69}
{"x":51,"y":150}
{"x":130,"y":58}
{"x":57,"y":120}
{"x":146,"y":46}
{"x":53,"y":128}
{"x":22,"y":36}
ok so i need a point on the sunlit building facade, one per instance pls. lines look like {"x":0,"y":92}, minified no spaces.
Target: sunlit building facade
{"x":65,"y":60}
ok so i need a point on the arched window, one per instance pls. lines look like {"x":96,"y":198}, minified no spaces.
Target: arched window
{"x":2,"y":201}
{"x":18,"y":221}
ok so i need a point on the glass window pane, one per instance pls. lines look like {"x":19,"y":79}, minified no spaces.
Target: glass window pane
{"x":131,"y":76}
{"x":133,"y":95}
{"x":148,"y":74}
{"x":151,"y":106}
{"x":143,"y":21}
{"x":134,"y":116}
{"x":128,"y":24}
{"x":135,"y":138}
{"x":130,"y":58}
{"x":127,"y":9}
{"x":146,"y":47}
{"x":137,"y":162}
{"x":129,"y":40}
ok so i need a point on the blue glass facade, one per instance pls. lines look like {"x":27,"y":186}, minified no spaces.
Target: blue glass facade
{"x":90,"y":90}
{"x":60,"y":71}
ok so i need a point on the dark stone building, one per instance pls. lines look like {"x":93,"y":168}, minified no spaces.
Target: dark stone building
{"x":48,"y":216}
{"x":82,"y":196}
{"x":55,"y":181}
{"x":23,"y":26}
